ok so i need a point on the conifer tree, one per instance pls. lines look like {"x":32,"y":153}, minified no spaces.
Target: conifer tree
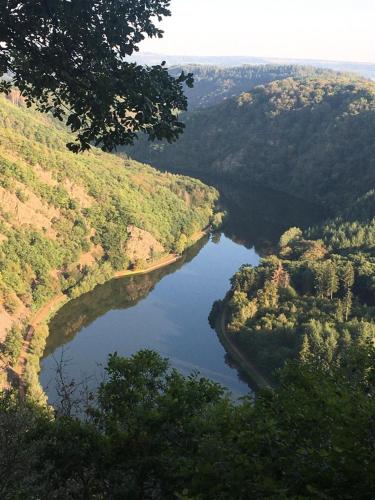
{"x":340,"y":310}
{"x":348,"y":277}
{"x":332,"y":280}
{"x":326,"y":280}
{"x":348,"y":301}
{"x":305,"y":351}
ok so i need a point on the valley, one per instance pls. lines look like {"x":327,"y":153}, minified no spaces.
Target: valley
{"x":114,"y":277}
{"x":69,"y":222}
{"x":167,"y":310}
{"x":308,"y":136}
{"x":187,"y":250}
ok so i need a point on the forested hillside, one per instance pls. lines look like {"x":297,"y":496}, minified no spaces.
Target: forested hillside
{"x":69,"y":221}
{"x":314,"y":300}
{"x":311,"y":137}
{"x":214,"y":84}
{"x":314,"y":138}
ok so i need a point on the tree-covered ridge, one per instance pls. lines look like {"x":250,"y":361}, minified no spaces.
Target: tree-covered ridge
{"x":65,"y":218}
{"x":311,"y":137}
{"x":314,"y":300}
{"x":214,"y":84}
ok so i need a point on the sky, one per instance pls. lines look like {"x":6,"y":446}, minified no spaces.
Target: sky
{"x":340,"y":30}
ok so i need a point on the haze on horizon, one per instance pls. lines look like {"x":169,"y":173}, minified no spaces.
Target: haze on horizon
{"x":334,"y":30}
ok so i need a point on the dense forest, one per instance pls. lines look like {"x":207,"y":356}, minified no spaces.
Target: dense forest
{"x":70,"y":221}
{"x":314,"y":300}
{"x":279,"y":135}
{"x":213,"y":84}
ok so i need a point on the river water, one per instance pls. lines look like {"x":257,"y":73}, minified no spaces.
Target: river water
{"x":167,"y":310}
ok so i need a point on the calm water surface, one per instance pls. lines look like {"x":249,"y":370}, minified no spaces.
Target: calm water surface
{"x":165,"y":313}
{"x":167,"y":310}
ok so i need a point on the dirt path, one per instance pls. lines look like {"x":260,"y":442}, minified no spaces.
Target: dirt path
{"x":250,"y":369}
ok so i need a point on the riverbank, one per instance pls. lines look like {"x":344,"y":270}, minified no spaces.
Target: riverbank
{"x":16,"y":375}
{"x":163,"y":261}
{"x":229,"y":343}
{"x":158,"y":264}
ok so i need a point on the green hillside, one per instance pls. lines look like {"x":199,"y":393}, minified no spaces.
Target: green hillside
{"x":69,"y":221}
{"x":214,"y":84}
{"x":314,"y":300}
{"x":313,"y":138}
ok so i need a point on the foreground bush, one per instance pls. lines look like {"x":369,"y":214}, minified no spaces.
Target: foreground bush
{"x":149,"y":432}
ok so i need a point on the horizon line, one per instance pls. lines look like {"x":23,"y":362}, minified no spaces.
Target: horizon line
{"x":234,"y":56}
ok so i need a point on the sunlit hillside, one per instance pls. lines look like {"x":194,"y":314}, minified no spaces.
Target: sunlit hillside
{"x":68,"y":221}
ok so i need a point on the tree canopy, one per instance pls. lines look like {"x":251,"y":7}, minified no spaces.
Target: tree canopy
{"x":69,"y":58}
{"x":151,"y":433}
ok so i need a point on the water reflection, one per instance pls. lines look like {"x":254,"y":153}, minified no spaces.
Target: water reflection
{"x":115,"y":294}
{"x":256,"y":217}
{"x":167,"y":309}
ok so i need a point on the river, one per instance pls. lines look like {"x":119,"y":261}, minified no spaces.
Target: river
{"x":167,"y":310}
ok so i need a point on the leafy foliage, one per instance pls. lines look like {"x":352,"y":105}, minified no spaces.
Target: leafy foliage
{"x":70,"y":59}
{"x":152,"y":433}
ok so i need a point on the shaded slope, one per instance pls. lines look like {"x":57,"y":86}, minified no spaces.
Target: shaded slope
{"x":312,"y":138}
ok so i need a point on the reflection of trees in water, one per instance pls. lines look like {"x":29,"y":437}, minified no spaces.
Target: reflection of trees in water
{"x":115,"y":294}
{"x":257,"y":217}
{"x":241,"y":374}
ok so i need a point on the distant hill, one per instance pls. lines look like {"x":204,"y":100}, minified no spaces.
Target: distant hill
{"x":69,"y":221}
{"x":213,"y":84}
{"x":311,"y":137}
{"x":361,"y":68}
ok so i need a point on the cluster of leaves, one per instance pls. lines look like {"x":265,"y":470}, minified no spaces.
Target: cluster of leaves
{"x":151,"y":433}
{"x":70,"y":59}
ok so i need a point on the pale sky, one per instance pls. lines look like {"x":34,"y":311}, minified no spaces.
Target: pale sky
{"x":305,"y":29}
